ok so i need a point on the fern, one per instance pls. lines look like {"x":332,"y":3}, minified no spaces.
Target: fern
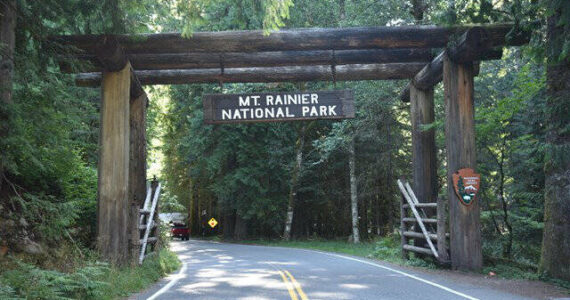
{"x":29,"y":282}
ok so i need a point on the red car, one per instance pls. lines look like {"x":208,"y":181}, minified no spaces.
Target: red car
{"x":180,"y":231}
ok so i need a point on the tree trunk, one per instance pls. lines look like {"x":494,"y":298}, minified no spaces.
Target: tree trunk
{"x":555,"y":250}
{"x":418,"y":9}
{"x":509,"y":243}
{"x":228,"y":224}
{"x":353,"y":193}
{"x":240,"y":231}
{"x":390,"y":176}
{"x":294,"y":180}
{"x":7,"y":40}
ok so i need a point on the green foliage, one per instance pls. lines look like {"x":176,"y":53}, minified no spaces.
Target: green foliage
{"x":388,"y":248}
{"x":125,"y":281}
{"x":30,"y":282}
{"x":338,"y":246}
{"x":170,"y":202}
{"x":238,"y":14}
{"x":560,"y":44}
{"x":276,"y":12}
{"x":510,"y":143}
{"x":92,"y":281}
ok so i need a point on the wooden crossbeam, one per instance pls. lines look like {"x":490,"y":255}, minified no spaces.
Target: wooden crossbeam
{"x":277,"y":74}
{"x":293,"y":39}
{"x":473,"y":45}
{"x":432,"y":73}
{"x":110,"y":54}
{"x":200,"y":60}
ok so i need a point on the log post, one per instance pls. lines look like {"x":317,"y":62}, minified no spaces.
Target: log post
{"x":423,"y":144}
{"x":156,"y":219}
{"x":113,"y":181}
{"x":404,"y":240}
{"x":465,"y":234}
{"x":442,"y":231}
{"x":423,"y":147}
{"x":137,"y":168}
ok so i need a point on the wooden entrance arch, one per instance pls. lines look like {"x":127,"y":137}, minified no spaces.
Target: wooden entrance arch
{"x":121,"y":64}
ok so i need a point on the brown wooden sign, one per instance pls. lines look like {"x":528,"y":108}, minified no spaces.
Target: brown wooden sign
{"x":466,"y":184}
{"x":278,"y":106}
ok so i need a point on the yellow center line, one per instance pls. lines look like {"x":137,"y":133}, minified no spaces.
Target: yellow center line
{"x":289,"y":286}
{"x":297,"y":286}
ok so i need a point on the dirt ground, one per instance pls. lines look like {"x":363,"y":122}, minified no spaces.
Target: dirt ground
{"x":527,"y":288}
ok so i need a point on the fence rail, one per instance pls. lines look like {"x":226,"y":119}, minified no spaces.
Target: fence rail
{"x":147,"y":214}
{"x":432,"y":225}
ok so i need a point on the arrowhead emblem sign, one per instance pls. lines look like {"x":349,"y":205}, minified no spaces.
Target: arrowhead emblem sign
{"x":212,"y":222}
{"x":466,"y":183}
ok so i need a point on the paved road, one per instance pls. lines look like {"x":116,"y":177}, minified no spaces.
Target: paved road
{"x":230,"y":271}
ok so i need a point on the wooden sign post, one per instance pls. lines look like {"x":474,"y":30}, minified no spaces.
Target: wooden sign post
{"x":279,"y":106}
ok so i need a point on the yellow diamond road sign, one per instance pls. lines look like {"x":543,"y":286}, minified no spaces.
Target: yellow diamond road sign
{"x":213,"y":222}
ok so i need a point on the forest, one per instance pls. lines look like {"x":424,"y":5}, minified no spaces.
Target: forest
{"x":258,"y":180}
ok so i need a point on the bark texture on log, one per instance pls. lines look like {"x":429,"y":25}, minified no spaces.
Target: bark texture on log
{"x":136,"y":89}
{"x":110,"y":54}
{"x":137,"y":168}
{"x":442,"y":231}
{"x":113,"y":183}
{"x":473,"y":45}
{"x":277,"y":74}
{"x":423,"y":145}
{"x":555,"y":258}
{"x":432,"y":73}
{"x":470,"y":45}
{"x":465,"y":232}
{"x":199,"y":60}
{"x":295,"y":39}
